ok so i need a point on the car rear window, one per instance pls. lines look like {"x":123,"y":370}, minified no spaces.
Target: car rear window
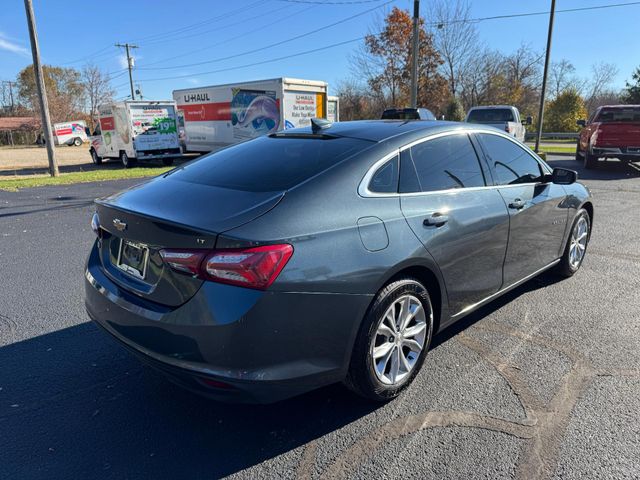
{"x":400,"y":115}
{"x":490,"y":115}
{"x":619,"y":115}
{"x":269,"y":164}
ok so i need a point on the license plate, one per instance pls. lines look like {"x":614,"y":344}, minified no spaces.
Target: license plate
{"x":133,"y":258}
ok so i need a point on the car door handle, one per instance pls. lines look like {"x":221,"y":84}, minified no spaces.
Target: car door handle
{"x":517,"y":204}
{"x":435,"y":220}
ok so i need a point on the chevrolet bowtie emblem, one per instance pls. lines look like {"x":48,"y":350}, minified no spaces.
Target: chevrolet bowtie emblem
{"x":119,"y":224}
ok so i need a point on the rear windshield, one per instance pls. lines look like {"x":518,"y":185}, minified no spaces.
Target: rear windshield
{"x":269,"y":164}
{"x":490,"y":115}
{"x":618,"y":115}
{"x":400,"y":115}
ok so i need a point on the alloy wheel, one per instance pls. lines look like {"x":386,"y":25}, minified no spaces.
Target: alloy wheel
{"x":399,"y":340}
{"x":578,"y":244}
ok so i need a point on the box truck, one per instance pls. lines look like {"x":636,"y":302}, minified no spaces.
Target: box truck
{"x":136,"y":130}
{"x":333,"y":109}
{"x":221,"y":115}
{"x":70,"y":133}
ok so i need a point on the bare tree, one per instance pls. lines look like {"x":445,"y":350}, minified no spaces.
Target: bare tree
{"x":455,"y":39}
{"x":602,"y":75}
{"x":97,"y":89}
{"x":562,"y":77}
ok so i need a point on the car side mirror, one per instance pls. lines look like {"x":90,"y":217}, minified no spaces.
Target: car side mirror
{"x":581,"y":123}
{"x":87,"y":132}
{"x":564,"y":176}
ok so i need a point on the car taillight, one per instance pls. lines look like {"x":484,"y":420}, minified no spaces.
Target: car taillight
{"x":256,"y":267}
{"x":95,"y":225}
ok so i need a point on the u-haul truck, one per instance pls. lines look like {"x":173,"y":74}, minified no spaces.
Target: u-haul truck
{"x":221,"y":115}
{"x":70,"y":133}
{"x":136,"y":130}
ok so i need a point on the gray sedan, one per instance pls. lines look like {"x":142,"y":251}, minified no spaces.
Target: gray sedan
{"x":326,"y":254}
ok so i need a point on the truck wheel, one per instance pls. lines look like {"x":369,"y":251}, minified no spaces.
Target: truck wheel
{"x":126,"y":161}
{"x":77,"y":142}
{"x":95,"y":158}
{"x":590,"y":160}
{"x":578,"y":154}
{"x":167,"y":161}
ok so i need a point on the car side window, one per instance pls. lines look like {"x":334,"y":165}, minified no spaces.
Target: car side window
{"x":442,"y":164}
{"x":511,"y":163}
{"x":385,"y":180}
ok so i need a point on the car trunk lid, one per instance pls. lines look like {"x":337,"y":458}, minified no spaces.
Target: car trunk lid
{"x":138,"y":223}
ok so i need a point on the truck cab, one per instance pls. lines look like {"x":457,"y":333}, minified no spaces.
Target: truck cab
{"x":503,"y":117}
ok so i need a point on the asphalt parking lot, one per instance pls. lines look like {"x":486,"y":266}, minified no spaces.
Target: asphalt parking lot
{"x":542,"y":383}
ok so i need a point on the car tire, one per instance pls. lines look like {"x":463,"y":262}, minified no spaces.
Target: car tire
{"x":167,"y":161}
{"x":97,"y":160}
{"x":581,"y":225}
{"x":590,"y":160}
{"x":126,"y":161}
{"x":383,"y":378}
{"x":77,"y":142}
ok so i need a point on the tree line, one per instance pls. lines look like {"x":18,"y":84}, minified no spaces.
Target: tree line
{"x":73,"y":94}
{"x":457,"y":71}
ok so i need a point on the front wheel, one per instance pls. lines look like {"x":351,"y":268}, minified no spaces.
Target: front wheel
{"x":77,"y":142}
{"x":393,"y":341}
{"x":576,"y":247}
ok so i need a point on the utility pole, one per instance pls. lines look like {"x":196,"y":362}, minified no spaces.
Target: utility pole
{"x":42,"y":93}
{"x":127,"y":47}
{"x":415,"y":53}
{"x":10,"y":84}
{"x":544,"y":75}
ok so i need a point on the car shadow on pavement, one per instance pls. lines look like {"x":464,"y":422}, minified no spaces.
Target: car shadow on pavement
{"x":74,"y":404}
{"x":609,"y":170}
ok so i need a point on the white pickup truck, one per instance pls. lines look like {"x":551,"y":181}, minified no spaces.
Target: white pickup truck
{"x":503,"y":117}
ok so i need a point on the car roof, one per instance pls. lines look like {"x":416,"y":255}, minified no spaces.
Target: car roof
{"x":489,"y":107}
{"x":382,"y":130}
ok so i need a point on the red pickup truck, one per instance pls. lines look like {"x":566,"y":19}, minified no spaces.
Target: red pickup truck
{"x":613,"y":131}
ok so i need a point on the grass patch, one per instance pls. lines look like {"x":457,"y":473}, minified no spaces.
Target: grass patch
{"x":551,"y":149}
{"x":14,"y":183}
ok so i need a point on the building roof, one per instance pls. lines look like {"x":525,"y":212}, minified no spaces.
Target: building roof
{"x":19,"y":123}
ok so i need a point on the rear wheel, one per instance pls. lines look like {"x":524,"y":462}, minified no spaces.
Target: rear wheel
{"x":590,"y":160}
{"x":97,"y":160}
{"x":576,"y":247}
{"x":579,"y":156}
{"x":393,"y":341}
{"x":77,"y":142}
{"x":125,"y":160}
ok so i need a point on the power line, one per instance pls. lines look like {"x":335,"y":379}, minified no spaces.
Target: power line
{"x":169,"y":35}
{"x":531,"y":14}
{"x":291,"y":39}
{"x":231,"y":39}
{"x":353,"y":2}
{"x":306,"y":52}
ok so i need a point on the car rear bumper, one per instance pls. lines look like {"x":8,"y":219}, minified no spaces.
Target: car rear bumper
{"x":155,"y":154}
{"x":232,"y":343}
{"x":627,"y":152}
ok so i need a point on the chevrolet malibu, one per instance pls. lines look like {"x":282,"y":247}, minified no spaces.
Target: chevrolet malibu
{"x":325,"y":254}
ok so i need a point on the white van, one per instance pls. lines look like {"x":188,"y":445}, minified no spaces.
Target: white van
{"x":70,"y":133}
{"x":136,"y":130}
{"x":221,"y":115}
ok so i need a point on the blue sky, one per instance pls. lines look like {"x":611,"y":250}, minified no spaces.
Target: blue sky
{"x":172,"y":33}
